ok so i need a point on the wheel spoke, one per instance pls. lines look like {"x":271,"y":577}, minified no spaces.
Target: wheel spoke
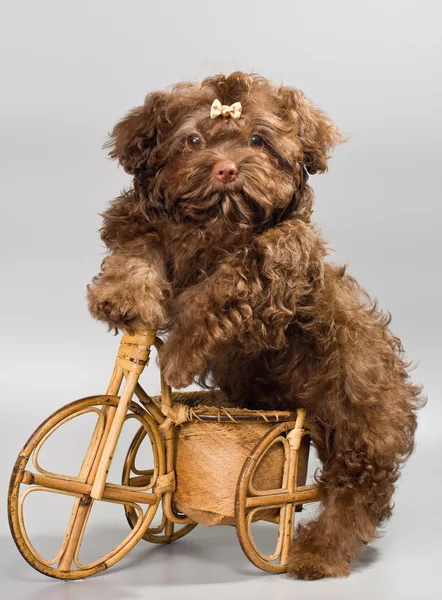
{"x":282,"y":441}
{"x":112,"y":492}
{"x":303,"y":494}
{"x":140,"y":480}
{"x":75,"y":531}
{"x":112,"y":553}
{"x":266,"y":557}
{"x":24,"y":532}
{"x":92,"y":449}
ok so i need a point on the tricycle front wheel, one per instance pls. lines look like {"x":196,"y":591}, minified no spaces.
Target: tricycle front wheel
{"x":142,"y":500}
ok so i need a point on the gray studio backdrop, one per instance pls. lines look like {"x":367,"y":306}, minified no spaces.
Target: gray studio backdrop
{"x":69,"y":70}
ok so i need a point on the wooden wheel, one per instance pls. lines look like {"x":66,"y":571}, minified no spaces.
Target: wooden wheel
{"x":143,"y":501}
{"x":165,"y":532}
{"x":249,"y":501}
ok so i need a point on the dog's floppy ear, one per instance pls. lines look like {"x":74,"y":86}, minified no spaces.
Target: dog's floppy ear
{"x":316,"y":132}
{"x":133,"y":138}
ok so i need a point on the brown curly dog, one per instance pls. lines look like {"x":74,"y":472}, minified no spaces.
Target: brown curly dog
{"x":213,"y":245}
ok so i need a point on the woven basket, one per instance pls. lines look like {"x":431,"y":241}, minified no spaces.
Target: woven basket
{"x":211,"y":450}
{"x":209,"y":460}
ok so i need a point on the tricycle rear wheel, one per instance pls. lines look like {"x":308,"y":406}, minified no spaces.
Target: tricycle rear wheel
{"x":166,"y":531}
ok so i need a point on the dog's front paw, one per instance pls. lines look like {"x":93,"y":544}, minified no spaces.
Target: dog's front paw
{"x":107,"y":303}
{"x":174,"y":368}
{"x":177,"y":379}
{"x":311,"y":562}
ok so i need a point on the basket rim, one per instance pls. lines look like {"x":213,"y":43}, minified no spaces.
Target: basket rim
{"x":218,"y":414}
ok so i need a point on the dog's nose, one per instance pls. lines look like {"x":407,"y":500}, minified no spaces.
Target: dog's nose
{"x":225,"y":171}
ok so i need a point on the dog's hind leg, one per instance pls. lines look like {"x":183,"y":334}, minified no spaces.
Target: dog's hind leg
{"x":357,"y":387}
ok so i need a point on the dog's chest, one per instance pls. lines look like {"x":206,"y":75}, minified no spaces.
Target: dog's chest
{"x":190,"y":266}
{"x":193,"y":258}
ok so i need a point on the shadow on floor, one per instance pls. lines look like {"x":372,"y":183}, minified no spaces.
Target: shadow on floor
{"x":206,"y":556}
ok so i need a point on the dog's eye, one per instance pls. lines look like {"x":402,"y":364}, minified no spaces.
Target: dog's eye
{"x":194,"y":141}
{"x":256,"y":141}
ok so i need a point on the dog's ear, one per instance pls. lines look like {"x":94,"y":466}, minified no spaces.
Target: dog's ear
{"x":133,"y":138}
{"x":316,"y":132}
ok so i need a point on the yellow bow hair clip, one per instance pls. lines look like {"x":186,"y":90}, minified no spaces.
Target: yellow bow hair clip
{"x":217,"y":109}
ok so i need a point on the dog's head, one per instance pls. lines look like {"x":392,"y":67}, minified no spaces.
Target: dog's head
{"x":197,"y":161}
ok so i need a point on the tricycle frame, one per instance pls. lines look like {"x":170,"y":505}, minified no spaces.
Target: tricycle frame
{"x":142,"y":492}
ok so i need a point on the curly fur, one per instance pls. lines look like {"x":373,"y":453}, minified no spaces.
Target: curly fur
{"x":235,"y":276}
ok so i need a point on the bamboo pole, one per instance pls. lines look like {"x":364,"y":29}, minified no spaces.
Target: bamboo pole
{"x":294,"y":438}
{"x":148,"y":403}
{"x":79,"y":513}
{"x":133,"y":356}
{"x":112,"y":438}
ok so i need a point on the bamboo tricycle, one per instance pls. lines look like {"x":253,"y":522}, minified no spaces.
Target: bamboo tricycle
{"x":142,"y":492}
